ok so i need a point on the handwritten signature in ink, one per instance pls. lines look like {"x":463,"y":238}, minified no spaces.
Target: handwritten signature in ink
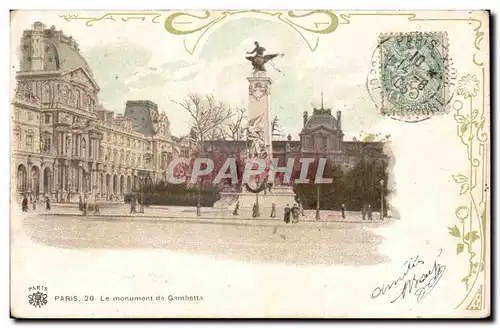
{"x":418,"y":284}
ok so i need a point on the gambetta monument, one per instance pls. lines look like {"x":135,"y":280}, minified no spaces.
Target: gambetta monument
{"x":258,"y":188}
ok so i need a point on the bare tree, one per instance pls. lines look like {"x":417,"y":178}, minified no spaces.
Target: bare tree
{"x":235,"y":128}
{"x":208,"y":118}
{"x":275,"y":127}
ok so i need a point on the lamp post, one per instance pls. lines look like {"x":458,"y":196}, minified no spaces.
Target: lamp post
{"x":318,"y":217}
{"x":86,"y":187}
{"x":257,"y":209}
{"x":141,"y":180}
{"x":381,"y":199}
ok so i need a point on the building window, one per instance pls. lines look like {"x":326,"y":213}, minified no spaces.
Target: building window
{"x":29,"y":140}
{"x":17,"y":136}
{"x":46,"y":118}
{"x":46,"y":143}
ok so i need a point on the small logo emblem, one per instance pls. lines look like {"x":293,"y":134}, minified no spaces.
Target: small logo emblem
{"x":37,"y":296}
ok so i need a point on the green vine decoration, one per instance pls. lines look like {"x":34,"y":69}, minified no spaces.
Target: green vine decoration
{"x":175,"y":21}
{"x":471,"y":231}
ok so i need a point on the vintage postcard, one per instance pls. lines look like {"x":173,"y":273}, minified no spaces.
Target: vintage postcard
{"x":250,"y":164}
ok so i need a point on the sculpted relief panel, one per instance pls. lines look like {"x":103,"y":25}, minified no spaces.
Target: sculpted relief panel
{"x":65,"y":118}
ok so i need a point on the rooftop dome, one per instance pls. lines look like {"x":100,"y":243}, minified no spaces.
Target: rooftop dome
{"x":70,"y":58}
{"x":60,"y":52}
{"x":320,"y":119}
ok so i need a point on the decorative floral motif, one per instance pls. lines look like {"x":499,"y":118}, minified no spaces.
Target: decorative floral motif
{"x":468,"y":86}
{"x":471,"y":231}
{"x":37,"y":299}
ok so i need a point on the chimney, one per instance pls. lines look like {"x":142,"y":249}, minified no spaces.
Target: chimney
{"x":305,"y":118}
{"x":339,"y":120}
{"x":109,"y":116}
{"x":101,"y":113}
{"x":37,"y":54}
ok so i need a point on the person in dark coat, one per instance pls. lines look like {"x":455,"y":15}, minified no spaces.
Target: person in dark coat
{"x":24,"y":204}
{"x":287,"y":214}
{"x":295,"y":213}
{"x":369,"y":212}
{"x":132,"y":206}
{"x":84,"y":206}
{"x":47,"y":203}
{"x":342,"y":211}
{"x":34,"y":203}
{"x":254,"y":210}
{"x":80,"y":203}
{"x":273,"y":210}
{"x":236,"y":208}
{"x":363,"y":212}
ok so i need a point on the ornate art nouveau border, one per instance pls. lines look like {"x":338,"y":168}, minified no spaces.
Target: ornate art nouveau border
{"x":468,"y":103}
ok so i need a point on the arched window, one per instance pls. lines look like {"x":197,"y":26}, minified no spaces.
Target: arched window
{"x":65,"y":95}
{"x":17,"y":137}
{"x":22,"y":178}
{"x":46,"y":93}
{"x":78,"y":99}
{"x":84,"y":148}
{"x":46,"y":142}
{"x":29,"y":139}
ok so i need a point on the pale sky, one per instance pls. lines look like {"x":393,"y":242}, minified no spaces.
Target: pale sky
{"x":140,"y":60}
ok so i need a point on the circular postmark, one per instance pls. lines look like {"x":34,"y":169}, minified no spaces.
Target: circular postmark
{"x":408,"y":76}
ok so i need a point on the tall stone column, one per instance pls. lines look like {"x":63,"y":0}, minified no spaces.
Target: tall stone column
{"x":259,"y":91}
{"x":70,"y":177}
{"x":63,"y":143}
{"x":118,"y":185}
{"x":29,"y":177}
{"x":80,"y":178}
{"x":64,"y":178}
{"x":55,"y":178}
{"x":78,"y":143}
{"x":66,"y":146}
{"x":41,"y":179}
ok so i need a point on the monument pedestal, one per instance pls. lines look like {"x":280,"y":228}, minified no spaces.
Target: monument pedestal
{"x":259,"y":133}
{"x":279,"y":195}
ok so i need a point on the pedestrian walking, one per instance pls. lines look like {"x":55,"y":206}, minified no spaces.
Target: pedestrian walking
{"x":363,"y":212}
{"x":286,"y":217}
{"x":295,"y":213}
{"x":47,"y":203}
{"x":132,"y":206}
{"x":342,"y":211}
{"x":84,"y":207}
{"x":301,"y":208}
{"x":254,"y":210}
{"x":80,"y":203}
{"x":273,"y":210}
{"x":34,"y":203}
{"x":369,"y":210}
{"x":24,"y":204}
{"x":236,"y":208}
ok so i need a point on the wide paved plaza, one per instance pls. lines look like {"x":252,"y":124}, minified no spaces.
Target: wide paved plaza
{"x":217,"y":233}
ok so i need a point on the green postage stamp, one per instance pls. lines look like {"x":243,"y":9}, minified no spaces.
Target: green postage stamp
{"x":413,"y":73}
